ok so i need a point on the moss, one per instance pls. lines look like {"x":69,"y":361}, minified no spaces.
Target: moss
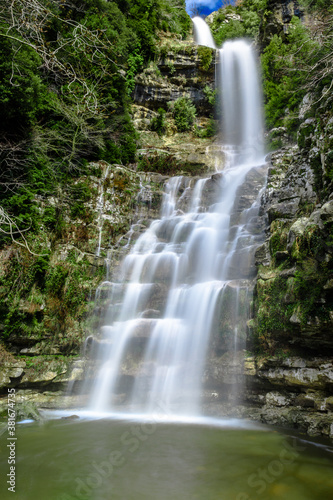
{"x":329,"y":165}
{"x":315,"y":163}
{"x":205,"y":55}
{"x":311,"y":276}
{"x":167,"y":164}
{"x":305,"y":133}
{"x":272,"y":318}
{"x":55,"y":280}
{"x":279,"y":297}
{"x":279,"y":235}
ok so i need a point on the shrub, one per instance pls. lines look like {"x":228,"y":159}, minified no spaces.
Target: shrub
{"x":209,"y":131}
{"x":184,"y":113}
{"x":205,"y":55}
{"x":158,"y":123}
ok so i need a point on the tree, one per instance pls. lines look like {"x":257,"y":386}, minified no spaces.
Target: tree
{"x":9,"y":227}
{"x":30,"y":24}
{"x":184,"y":113}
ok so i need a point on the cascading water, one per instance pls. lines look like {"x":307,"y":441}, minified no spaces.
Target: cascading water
{"x":241,"y":102}
{"x":177,"y":277}
{"x":238,"y":82}
{"x":202,"y":33}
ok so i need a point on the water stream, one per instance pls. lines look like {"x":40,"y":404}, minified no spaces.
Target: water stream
{"x":154,"y":342}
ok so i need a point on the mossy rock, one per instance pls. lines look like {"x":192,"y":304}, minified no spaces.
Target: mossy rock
{"x":305,"y":133}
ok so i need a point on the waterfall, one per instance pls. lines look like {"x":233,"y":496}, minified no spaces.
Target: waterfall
{"x":241,"y":102}
{"x":185,"y":274}
{"x":202,"y":33}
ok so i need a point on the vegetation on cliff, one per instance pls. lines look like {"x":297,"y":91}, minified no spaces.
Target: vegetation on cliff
{"x":67,"y":72}
{"x":294,"y":303}
{"x":240,"y":21}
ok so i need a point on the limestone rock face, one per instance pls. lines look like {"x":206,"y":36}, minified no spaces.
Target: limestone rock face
{"x":183,"y":70}
{"x":279,"y":15}
{"x":11,"y":371}
{"x":176,"y":74}
{"x":295,"y":261}
{"x":93,"y":243}
{"x":291,"y":391}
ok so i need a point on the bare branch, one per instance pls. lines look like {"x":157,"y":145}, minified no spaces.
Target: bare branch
{"x":9,"y":227}
{"x":25,"y":24}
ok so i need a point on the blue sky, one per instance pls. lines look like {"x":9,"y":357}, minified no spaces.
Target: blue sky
{"x":205,"y":6}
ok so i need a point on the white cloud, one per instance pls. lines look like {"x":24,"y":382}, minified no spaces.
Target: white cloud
{"x":202,"y":3}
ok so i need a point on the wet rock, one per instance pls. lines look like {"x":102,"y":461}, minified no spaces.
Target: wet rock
{"x":177,"y":74}
{"x":276,"y":399}
{"x":226,"y":370}
{"x":11,"y":372}
{"x":305,"y":106}
{"x":262,"y":255}
{"x":212,"y":190}
{"x":318,"y":377}
{"x":284,"y":210}
{"x":305,"y":133}
{"x":296,"y":231}
{"x":329,"y":403}
{"x":281,"y":255}
{"x":151,"y":313}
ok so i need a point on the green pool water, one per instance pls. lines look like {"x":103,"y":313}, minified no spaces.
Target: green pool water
{"x":110,"y":459}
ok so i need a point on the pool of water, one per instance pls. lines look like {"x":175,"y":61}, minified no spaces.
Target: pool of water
{"x":138,"y":459}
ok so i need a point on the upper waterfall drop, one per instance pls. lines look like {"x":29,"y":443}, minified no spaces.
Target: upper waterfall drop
{"x":242,"y":123}
{"x":237,"y":78}
{"x":202,"y":33}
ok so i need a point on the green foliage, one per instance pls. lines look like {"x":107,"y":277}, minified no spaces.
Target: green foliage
{"x":251,"y":12}
{"x":184,"y":113}
{"x":173,"y":17}
{"x":299,"y":62}
{"x":205,"y":55}
{"x":56,"y":279}
{"x":238,"y":21}
{"x":40,"y":267}
{"x":323,"y":6}
{"x":302,"y":294}
{"x":80,"y":193}
{"x":279,"y":236}
{"x":158,"y":123}
{"x":234,"y":28}
{"x":135,"y":63}
{"x":162,"y":163}
{"x":171,"y":67}
{"x":211,"y":95}
{"x":22,"y":91}
{"x":66,"y":76}
{"x":310,"y":276}
{"x":283,"y":87}
{"x":272,"y":319}
{"x":210,"y":130}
